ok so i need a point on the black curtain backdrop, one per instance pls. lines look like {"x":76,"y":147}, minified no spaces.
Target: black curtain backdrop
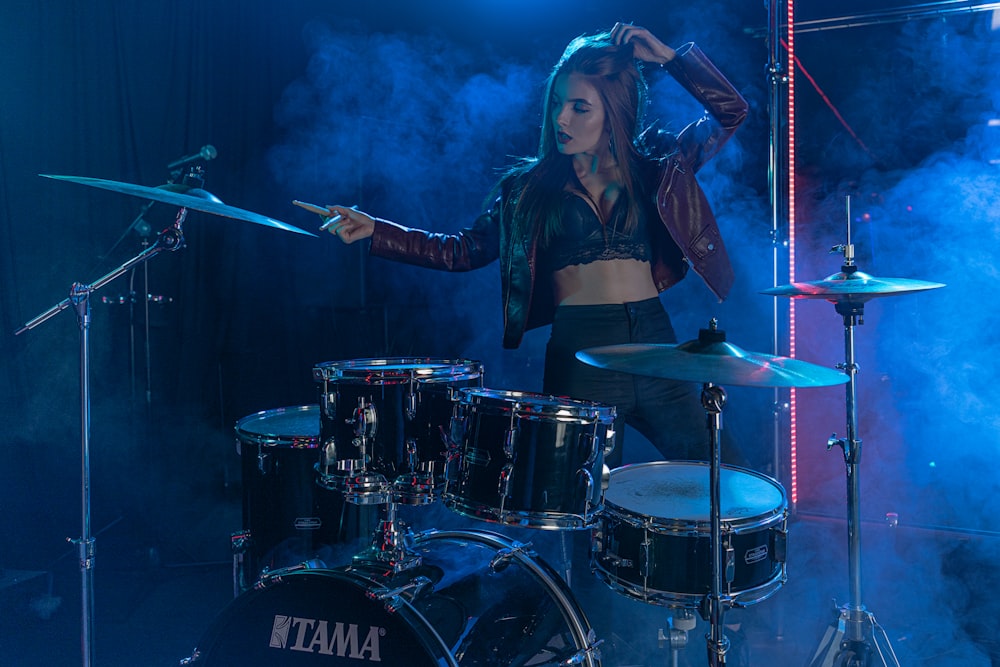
{"x":238,"y":318}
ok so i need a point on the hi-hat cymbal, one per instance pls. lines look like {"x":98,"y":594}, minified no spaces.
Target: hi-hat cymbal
{"x":856,"y":286}
{"x":196,"y":199}
{"x":709,"y":358}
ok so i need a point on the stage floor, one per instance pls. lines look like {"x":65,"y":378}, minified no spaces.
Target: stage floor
{"x":157,"y":589}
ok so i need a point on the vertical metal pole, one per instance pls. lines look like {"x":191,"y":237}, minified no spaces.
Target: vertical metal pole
{"x":713,"y":400}
{"x":80,"y":298}
{"x":777,"y":176}
{"x":852,"y":456}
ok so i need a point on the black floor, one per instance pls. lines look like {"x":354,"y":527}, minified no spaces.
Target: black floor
{"x":156,"y":591}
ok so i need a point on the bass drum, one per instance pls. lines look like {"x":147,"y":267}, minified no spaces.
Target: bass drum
{"x":477,"y":598}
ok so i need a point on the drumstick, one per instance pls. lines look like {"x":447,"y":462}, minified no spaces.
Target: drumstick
{"x":322,"y":212}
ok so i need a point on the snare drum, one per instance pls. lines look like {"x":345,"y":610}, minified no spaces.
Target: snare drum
{"x":528,"y":459}
{"x":477,"y":598}
{"x":384,"y":426}
{"x":287,"y":519}
{"x":653,"y":540}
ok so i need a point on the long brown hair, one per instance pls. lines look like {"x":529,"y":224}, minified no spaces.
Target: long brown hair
{"x":612,"y":70}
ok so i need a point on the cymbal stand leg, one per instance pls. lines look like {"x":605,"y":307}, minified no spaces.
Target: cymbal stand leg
{"x":713,"y":399}
{"x":856,"y":627}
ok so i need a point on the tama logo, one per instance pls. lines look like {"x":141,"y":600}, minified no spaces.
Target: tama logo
{"x":312,"y":635}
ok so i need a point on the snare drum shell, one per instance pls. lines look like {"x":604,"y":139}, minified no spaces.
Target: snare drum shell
{"x":668,"y":559}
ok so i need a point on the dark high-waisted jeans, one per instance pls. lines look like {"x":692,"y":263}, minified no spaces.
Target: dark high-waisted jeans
{"x":667,"y":412}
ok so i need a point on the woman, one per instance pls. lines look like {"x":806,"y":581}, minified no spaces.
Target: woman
{"x":590,"y":231}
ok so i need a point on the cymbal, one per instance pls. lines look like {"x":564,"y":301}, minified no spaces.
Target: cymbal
{"x":851,"y":286}
{"x":194,"y":198}
{"x":710,"y":359}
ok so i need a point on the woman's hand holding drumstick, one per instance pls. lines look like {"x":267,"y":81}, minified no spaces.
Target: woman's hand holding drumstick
{"x":347,"y":223}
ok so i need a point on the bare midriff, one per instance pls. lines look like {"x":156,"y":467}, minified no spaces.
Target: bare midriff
{"x":604,"y":282}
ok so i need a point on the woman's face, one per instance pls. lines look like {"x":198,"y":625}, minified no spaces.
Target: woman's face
{"x":578,"y":117}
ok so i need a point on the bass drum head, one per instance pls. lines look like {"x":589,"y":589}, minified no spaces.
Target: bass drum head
{"x":316,"y":617}
{"x":475,"y":599}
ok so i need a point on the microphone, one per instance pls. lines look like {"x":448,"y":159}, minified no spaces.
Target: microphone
{"x":207,"y":152}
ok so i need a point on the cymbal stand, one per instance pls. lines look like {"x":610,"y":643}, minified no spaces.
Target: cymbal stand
{"x":854,"y":639}
{"x":713,"y":399}
{"x":171,"y":238}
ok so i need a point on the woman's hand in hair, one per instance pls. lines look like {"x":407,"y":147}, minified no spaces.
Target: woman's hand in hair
{"x":645,"y":45}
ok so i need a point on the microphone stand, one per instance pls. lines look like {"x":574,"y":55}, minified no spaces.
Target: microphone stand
{"x":172,"y":239}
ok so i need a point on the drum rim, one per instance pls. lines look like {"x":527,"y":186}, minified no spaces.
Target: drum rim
{"x":510,"y":401}
{"x":395,"y":370}
{"x":544,"y":520}
{"x":743,"y":597}
{"x":663,"y":524}
{"x":270,"y":439}
{"x":573,"y":614}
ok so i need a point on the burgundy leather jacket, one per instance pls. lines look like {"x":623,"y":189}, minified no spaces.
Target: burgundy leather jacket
{"x":689,"y":236}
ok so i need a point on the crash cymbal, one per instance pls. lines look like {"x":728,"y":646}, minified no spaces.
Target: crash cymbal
{"x":709,"y":358}
{"x":194,"y":198}
{"x":851,"y":286}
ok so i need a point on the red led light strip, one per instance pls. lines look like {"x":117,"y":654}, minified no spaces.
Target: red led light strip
{"x":792,"y":407}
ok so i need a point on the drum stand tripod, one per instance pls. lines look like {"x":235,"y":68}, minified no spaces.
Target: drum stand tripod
{"x":171,"y":238}
{"x":712,"y":361}
{"x":855,"y":639}
{"x":713,"y":399}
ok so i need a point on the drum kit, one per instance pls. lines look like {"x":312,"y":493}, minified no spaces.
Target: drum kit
{"x":692,"y":536}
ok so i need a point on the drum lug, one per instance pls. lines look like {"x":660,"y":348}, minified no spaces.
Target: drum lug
{"x":510,"y":443}
{"x":328,"y":456}
{"x":328,"y":403}
{"x":730,"y":564}
{"x":503,"y":488}
{"x":645,"y":557}
{"x":609,"y":442}
{"x":262,"y":459}
{"x":588,"y":488}
{"x":412,"y":460}
{"x":780,"y":545}
{"x":411,"y":404}
{"x":456,"y":429}
{"x":364,"y":419}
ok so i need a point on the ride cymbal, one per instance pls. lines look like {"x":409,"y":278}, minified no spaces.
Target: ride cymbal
{"x":710,"y":359}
